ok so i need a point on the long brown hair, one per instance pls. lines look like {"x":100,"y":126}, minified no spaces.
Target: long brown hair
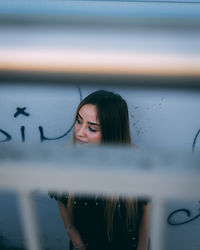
{"x":112,"y":112}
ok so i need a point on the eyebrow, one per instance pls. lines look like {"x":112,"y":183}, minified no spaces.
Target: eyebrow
{"x":91,"y":123}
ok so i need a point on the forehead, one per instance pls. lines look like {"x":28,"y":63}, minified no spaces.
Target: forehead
{"x":89,"y":112}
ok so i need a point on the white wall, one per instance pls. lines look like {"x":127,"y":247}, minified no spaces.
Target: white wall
{"x":159,"y":119}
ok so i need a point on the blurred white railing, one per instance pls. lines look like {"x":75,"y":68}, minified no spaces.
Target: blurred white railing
{"x":122,"y":42}
{"x":98,"y":170}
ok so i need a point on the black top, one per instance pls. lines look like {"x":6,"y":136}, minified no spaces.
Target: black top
{"x":89,"y":220}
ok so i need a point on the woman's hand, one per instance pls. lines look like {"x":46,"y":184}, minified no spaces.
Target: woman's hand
{"x":81,"y":247}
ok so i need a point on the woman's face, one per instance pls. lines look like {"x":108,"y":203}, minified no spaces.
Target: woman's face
{"x":87,"y":126}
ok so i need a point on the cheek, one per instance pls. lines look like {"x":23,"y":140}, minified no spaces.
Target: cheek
{"x":75,"y":129}
{"x":96,"y":137}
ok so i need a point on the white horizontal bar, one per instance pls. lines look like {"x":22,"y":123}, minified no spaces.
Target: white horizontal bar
{"x":93,"y":62}
{"x":96,"y":181}
{"x":102,"y":170}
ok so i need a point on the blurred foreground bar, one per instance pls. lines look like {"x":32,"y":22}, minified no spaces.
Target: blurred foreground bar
{"x":100,"y":170}
{"x":133,"y":43}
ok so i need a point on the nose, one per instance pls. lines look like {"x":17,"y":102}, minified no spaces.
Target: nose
{"x":81,"y":131}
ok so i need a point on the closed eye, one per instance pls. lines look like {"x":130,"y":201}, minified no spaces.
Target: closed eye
{"x":92,"y":130}
{"x":78,"y":121}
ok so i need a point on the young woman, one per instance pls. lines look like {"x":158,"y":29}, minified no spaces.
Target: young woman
{"x":104,"y":223}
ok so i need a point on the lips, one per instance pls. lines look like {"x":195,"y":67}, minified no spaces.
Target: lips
{"x":78,"y":141}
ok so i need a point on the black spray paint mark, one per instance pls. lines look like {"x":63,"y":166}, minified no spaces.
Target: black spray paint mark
{"x":195,"y":140}
{"x":172,"y":221}
{"x":8,"y":137}
{"x":80,"y":93}
{"x":21,"y":111}
{"x":44,"y":138}
{"x":23,"y":133}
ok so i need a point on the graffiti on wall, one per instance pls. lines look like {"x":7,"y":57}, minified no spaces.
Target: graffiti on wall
{"x":195,"y":141}
{"x":43,"y":137}
{"x":174,"y":219}
{"x":22,"y":111}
